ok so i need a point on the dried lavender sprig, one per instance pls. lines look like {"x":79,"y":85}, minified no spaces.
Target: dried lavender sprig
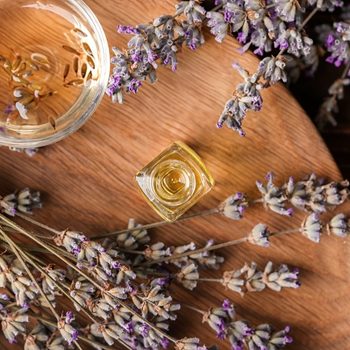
{"x":159,"y":250}
{"x":153,"y":44}
{"x":329,"y":107}
{"x":247,"y":94}
{"x":250,"y":279}
{"x":260,"y":235}
{"x":116,"y":336}
{"x":239,"y":333}
{"x":310,"y":194}
{"x":246,"y":279}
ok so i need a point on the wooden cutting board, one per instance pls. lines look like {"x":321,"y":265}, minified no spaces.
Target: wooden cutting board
{"x":88,"y":181}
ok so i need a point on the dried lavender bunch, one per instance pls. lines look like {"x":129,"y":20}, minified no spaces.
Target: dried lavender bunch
{"x":101,"y":280}
{"x":108,"y":298}
{"x":263,"y":26}
{"x":118,"y":323}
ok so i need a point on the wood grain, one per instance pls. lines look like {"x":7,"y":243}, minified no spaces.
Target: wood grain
{"x":88,"y":181}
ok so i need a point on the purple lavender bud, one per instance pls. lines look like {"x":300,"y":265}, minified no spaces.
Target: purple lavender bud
{"x":12,"y":340}
{"x":287,"y":340}
{"x":76,"y":250}
{"x":241,"y":132}
{"x":330,"y":41}
{"x":330,"y":59}
{"x":241,"y":37}
{"x":248,"y":331}
{"x":296,"y":271}
{"x":116,"y":265}
{"x":241,"y":209}
{"x":238,"y":346}
{"x":269,"y":176}
{"x":144,"y":329}
{"x":69,"y":316}
{"x":228,"y":15}
{"x":164,"y":343}
{"x":289,"y":212}
{"x":9,"y":109}
{"x":162,"y":281}
{"x":136,"y":57}
{"x":259,"y":51}
{"x":134,"y":85}
{"x":127,"y":30}
{"x":227,"y":305}
{"x":129,"y":327}
{"x":238,"y":195}
{"x":75,"y":336}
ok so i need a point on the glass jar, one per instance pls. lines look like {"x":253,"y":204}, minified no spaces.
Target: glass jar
{"x":55,"y":68}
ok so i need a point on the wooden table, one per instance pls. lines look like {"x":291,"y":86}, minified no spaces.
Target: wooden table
{"x":88,"y":181}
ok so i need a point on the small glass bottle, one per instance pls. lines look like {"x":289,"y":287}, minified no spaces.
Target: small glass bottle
{"x":174,"y":181}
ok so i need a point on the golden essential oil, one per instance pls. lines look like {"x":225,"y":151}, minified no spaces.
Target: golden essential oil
{"x":174,"y":181}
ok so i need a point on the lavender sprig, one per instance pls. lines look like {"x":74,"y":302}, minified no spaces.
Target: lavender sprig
{"x":154,"y":44}
{"x":312,"y":227}
{"x":240,"y":334}
{"x":311,"y":194}
{"x":337,"y":43}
